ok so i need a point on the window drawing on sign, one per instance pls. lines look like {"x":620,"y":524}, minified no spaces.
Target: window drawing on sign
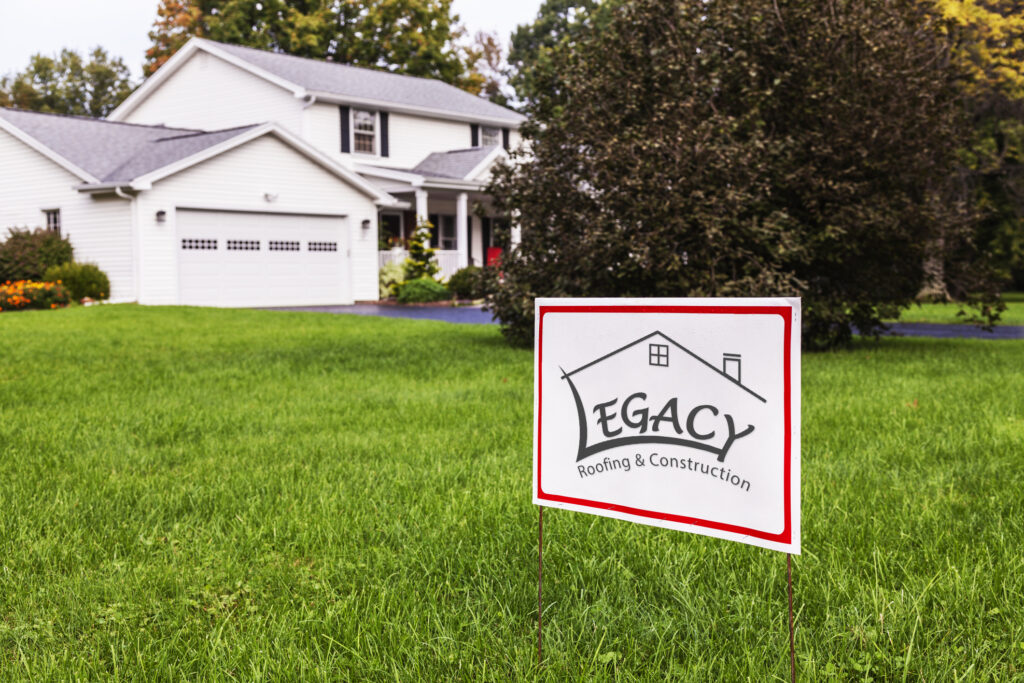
{"x":658,"y":355}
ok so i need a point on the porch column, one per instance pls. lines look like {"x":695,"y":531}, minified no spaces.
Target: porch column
{"x":421,"y":209}
{"x":462,"y":228}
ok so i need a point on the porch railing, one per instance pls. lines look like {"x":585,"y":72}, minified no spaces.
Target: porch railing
{"x":448,"y":260}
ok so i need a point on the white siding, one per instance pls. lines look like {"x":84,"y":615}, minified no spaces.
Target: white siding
{"x":237,"y":180}
{"x":209,"y":94}
{"x":99,"y":228}
{"x":322,"y":126}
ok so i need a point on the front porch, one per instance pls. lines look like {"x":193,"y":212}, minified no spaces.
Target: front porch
{"x":460,"y":237}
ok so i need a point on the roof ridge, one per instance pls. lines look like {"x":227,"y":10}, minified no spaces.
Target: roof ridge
{"x":330,"y":62}
{"x":98,"y":120}
{"x":198,"y":133}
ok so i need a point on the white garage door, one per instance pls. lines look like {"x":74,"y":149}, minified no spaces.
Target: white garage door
{"x":261,"y":259}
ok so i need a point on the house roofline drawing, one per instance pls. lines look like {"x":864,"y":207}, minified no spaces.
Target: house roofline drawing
{"x":658,"y":333}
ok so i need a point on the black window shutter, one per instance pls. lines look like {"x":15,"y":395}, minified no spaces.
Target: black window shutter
{"x":469,"y":238}
{"x":504,"y":138}
{"x":474,"y":134}
{"x":383,"y":133}
{"x":345,"y":141}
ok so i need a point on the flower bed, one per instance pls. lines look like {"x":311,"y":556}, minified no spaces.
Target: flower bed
{"x":25,"y":294}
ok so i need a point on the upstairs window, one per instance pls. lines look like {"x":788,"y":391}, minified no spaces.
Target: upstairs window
{"x":364,"y":131}
{"x":53,"y":220}
{"x":490,"y":137}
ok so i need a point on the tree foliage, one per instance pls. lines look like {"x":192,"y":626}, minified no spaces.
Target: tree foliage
{"x":988,"y":42}
{"x":414,"y":37}
{"x":68,"y":84}
{"x":730,"y":149}
{"x":487,"y":71}
{"x":533,"y":74}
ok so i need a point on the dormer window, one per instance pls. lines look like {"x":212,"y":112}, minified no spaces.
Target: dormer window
{"x":490,"y":137}
{"x":364,"y":131}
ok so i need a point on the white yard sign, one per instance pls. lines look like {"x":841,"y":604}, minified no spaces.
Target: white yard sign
{"x":679,"y":413}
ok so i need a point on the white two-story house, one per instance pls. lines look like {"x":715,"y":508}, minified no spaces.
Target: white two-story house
{"x":424,"y":142}
{"x":237,"y":177}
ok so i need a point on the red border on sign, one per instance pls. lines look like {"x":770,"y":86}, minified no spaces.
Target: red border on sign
{"x":786,"y":312}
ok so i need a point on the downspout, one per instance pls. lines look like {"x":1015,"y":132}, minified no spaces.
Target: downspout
{"x":134,"y":225}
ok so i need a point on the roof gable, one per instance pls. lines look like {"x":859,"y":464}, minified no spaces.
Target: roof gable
{"x":114,"y":152}
{"x":459,"y":164}
{"x":105,"y":153}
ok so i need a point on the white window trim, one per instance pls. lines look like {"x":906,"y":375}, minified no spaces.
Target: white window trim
{"x":352,"y":133}
{"x":60,"y":220}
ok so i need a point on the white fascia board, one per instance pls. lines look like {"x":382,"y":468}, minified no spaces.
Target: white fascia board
{"x":451,"y":184}
{"x":428,"y":112}
{"x":379,"y":197}
{"x":414,"y":179}
{"x":92,"y":188}
{"x":35,"y":144}
{"x":178,"y":59}
{"x":487,"y":162}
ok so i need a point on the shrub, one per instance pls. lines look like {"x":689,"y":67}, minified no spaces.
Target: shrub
{"x":466,"y":283}
{"x":422,"y":290}
{"x":80,"y":279}
{"x":28,"y":253}
{"x":25,"y":294}
{"x":421,"y":262}
{"x":391,"y":278}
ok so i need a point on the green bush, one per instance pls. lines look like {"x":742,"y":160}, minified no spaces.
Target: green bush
{"x":421,"y":262}
{"x":28,"y":253}
{"x":422,"y":290}
{"x":391,"y":278}
{"x":466,"y":283}
{"x":81,"y":280}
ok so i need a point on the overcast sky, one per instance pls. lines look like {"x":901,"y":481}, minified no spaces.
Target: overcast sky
{"x":120,"y":26}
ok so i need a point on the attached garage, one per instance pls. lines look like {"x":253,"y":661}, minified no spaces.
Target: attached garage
{"x":242,"y":259}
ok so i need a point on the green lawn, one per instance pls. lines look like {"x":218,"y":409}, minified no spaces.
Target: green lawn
{"x":947,"y":313}
{"x":245,"y":495}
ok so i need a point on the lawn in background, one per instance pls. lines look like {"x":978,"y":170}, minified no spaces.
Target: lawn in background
{"x":194,"y":494}
{"x":947,"y":313}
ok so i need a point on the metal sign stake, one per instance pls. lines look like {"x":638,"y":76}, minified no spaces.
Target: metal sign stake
{"x":792,"y":649}
{"x":540,"y":579}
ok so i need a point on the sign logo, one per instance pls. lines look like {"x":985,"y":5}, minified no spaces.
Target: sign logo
{"x":677,"y":413}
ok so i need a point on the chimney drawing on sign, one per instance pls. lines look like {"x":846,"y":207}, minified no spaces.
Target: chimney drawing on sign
{"x":731,"y":365}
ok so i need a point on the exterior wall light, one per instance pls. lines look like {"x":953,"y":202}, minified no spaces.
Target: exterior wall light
{"x":161,"y":216}
{"x":366,"y":224}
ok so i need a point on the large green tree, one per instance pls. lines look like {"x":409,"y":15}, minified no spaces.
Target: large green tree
{"x":533,"y":73}
{"x":68,"y":84}
{"x":413,"y":37}
{"x":739,"y":148}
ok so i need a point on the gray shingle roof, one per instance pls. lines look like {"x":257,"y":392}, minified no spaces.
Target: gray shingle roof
{"x":344,"y":80}
{"x":114,"y":152}
{"x":456,"y":163}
